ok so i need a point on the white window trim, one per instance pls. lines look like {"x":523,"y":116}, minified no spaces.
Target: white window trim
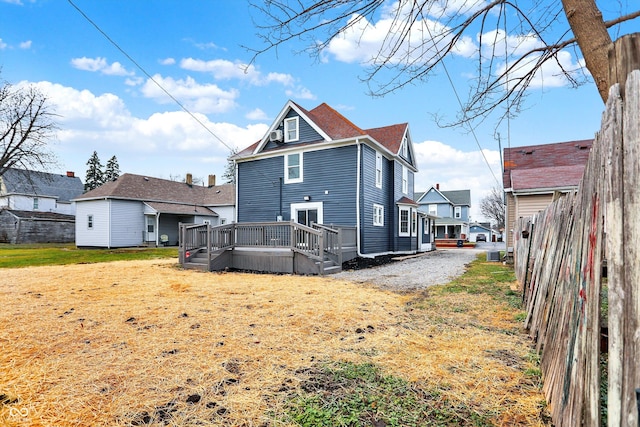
{"x":400,"y":232}
{"x":378,"y":170}
{"x":433,"y":209}
{"x":287,"y":180}
{"x":295,"y":122}
{"x":378,"y":215}
{"x":405,"y":180}
{"x":457,"y":212}
{"x":36,"y":203}
{"x":295,"y":207}
{"x":90,"y":222}
{"x":405,"y":148}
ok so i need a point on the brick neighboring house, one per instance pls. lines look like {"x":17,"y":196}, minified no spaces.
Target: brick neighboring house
{"x":36,"y":207}
{"x":534,"y":175}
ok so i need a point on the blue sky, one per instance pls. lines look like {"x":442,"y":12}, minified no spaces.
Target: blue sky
{"x":194,"y":50}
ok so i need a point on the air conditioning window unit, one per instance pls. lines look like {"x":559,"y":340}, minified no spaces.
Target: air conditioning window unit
{"x":275,"y":135}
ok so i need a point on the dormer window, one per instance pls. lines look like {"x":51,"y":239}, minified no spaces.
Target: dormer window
{"x":291,"y":129}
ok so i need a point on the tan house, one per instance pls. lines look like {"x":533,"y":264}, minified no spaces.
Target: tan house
{"x":535,"y":174}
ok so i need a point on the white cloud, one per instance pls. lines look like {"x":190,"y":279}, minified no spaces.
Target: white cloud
{"x":300,"y":93}
{"x":163,"y":144}
{"x":25,"y":44}
{"x":455,"y":169}
{"x":202,"y":98}
{"x":256,"y":114}
{"x":18,"y":2}
{"x":222,"y":69}
{"x":100,"y":65}
{"x":3,"y":45}
{"x":514,"y":47}
{"x":372,"y":42}
{"x":167,"y":61}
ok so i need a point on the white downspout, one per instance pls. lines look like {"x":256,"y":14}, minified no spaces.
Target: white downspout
{"x":358,"y":199}
{"x":157,"y":229}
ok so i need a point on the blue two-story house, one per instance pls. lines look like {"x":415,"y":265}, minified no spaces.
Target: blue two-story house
{"x":316,"y":166}
{"x":451,"y":209}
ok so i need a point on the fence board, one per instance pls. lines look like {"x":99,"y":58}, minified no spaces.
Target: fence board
{"x":560,"y":264}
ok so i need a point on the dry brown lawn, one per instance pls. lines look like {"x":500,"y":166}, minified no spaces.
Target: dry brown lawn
{"x":135,"y":342}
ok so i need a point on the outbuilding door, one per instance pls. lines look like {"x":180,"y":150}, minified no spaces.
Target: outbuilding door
{"x":151,"y":228}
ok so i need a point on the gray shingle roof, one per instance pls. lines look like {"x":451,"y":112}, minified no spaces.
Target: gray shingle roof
{"x":33,"y":183}
{"x":458,"y":197}
{"x":148,"y":189}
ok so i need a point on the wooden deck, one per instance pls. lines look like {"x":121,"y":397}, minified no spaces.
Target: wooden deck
{"x":275,"y":247}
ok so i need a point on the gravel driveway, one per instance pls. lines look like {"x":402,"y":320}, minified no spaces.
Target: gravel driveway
{"x":417,"y":272}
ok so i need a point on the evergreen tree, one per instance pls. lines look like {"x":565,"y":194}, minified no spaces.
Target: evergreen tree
{"x":229,"y":174}
{"x":95,"y":176}
{"x":112,"y":171}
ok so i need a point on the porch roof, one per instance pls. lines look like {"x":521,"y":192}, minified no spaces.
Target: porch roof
{"x":449,"y":221}
{"x":180,"y":209}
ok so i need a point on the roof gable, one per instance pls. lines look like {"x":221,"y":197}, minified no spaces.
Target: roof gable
{"x":333,"y":126}
{"x":62,"y":187}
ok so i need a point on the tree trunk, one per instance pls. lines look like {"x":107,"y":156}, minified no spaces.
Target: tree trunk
{"x":593,"y":39}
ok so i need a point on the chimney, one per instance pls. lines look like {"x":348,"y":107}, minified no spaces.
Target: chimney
{"x":212,"y":180}
{"x":71,"y":174}
{"x":437,"y":186}
{"x":189,"y":179}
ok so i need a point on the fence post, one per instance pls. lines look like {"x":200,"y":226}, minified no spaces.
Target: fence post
{"x":623,"y":231}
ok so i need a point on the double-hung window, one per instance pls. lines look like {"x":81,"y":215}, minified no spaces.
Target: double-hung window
{"x":378,"y":215}
{"x":433,"y":209}
{"x":89,"y":222}
{"x":379,"y":170}
{"x":457,"y":212}
{"x":405,"y":180}
{"x":35,"y":203}
{"x":405,"y":213}
{"x":293,"y":168}
{"x":291,"y":129}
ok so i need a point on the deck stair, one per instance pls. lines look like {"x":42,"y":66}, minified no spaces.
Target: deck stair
{"x":278,"y":247}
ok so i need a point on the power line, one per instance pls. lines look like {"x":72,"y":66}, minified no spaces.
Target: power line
{"x":455,"y":92}
{"x":185,"y":109}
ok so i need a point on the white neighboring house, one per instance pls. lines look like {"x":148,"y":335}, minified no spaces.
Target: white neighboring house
{"x":37,"y":207}
{"x":23,"y":190}
{"x":139,"y":210}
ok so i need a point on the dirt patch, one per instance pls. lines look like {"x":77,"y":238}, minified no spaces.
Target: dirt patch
{"x":147,"y":343}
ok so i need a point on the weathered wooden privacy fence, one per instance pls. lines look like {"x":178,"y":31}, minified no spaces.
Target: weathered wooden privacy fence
{"x":559,"y":260}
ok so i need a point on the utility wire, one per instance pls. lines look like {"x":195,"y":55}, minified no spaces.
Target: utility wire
{"x":193,"y":116}
{"x":441,"y":60}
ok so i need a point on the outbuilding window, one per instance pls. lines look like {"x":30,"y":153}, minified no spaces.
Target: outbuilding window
{"x":90,"y":222}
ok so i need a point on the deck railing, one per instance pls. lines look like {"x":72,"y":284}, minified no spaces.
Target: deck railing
{"x":316,"y":242}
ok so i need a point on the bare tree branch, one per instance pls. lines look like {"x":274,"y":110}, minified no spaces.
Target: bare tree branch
{"x":512,"y":44}
{"x":27,"y":127}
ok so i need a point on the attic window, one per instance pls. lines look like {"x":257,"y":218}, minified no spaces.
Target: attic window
{"x":405,"y":148}
{"x":291,"y":129}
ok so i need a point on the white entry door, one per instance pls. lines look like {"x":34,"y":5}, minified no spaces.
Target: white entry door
{"x":151,"y":228}
{"x":306,"y":213}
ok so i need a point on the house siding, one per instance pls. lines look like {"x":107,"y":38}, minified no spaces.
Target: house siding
{"x":328,"y":177}
{"x":306,"y":133}
{"x":402,"y":243}
{"x":127,"y":223}
{"x":375,"y":239}
{"x":98,"y":236}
